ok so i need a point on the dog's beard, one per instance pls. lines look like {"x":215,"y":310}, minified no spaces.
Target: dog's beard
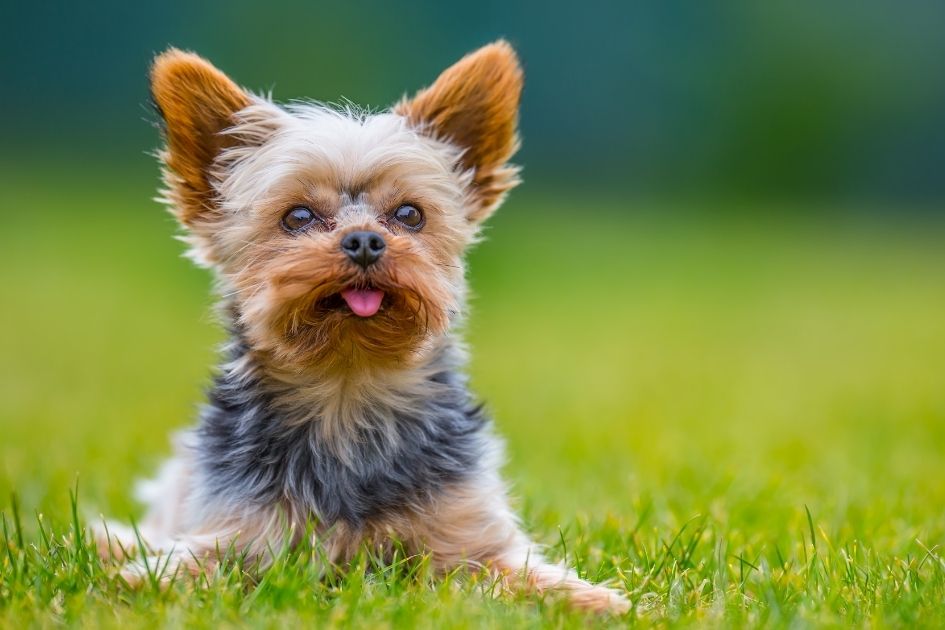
{"x":303,"y":320}
{"x":327,"y":327}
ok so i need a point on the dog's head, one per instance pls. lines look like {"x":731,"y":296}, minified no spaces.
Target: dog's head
{"x":338,"y":235}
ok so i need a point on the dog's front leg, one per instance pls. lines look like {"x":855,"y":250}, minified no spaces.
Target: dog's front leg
{"x":249,"y":536}
{"x":474,"y":525}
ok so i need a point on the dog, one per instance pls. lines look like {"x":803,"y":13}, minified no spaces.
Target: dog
{"x":336,"y":238}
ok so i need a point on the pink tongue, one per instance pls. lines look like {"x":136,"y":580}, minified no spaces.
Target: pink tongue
{"x":364,"y":302}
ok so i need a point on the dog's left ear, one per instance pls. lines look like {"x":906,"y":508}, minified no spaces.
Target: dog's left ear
{"x":474,"y":105}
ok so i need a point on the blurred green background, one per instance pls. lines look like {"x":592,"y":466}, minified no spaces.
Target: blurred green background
{"x":720,"y":291}
{"x":838,"y":100}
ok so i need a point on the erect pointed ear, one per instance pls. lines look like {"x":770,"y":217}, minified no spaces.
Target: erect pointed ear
{"x":474,"y":105}
{"x":196,"y":102}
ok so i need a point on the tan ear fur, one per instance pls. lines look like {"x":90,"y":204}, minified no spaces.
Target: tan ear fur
{"x":474,"y":105}
{"x":197,"y":102}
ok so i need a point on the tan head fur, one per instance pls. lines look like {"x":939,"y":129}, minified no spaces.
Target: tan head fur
{"x":236,"y":163}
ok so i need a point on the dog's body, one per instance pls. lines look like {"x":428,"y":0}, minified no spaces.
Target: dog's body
{"x":337,"y":240}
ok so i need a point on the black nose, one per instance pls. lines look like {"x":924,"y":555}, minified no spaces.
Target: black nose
{"x":363,"y":248}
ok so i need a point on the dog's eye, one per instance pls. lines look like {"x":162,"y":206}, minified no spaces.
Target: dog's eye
{"x":409,"y":216}
{"x":298,"y":218}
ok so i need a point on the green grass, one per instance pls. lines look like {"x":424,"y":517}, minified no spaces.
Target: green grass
{"x":740,"y":419}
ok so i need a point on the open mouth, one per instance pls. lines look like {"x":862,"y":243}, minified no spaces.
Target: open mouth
{"x":363,"y":302}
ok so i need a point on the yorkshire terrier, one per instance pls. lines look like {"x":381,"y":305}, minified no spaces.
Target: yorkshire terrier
{"x":337,"y":237}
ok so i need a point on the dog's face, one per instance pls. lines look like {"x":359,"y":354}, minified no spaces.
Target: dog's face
{"x":338,"y":236}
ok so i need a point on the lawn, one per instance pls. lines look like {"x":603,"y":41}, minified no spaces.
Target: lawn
{"x":738,"y":417}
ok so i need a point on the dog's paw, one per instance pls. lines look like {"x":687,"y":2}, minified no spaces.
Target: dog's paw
{"x":600,"y":599}
{"x":159,"y":570}
{"x":114,"y":541}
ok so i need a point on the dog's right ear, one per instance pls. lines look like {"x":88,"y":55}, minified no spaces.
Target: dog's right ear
{"x":197,"y":103}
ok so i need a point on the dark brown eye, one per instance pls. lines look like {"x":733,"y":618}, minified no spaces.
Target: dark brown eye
{"x":409,"y":216}
{"x":298,"y":218}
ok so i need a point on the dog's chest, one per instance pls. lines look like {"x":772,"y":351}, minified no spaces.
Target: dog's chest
{"x":249,"y":451}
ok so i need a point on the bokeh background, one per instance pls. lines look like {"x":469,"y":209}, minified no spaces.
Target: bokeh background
{"x":843,"y":101}
{"x":720,"y":291}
